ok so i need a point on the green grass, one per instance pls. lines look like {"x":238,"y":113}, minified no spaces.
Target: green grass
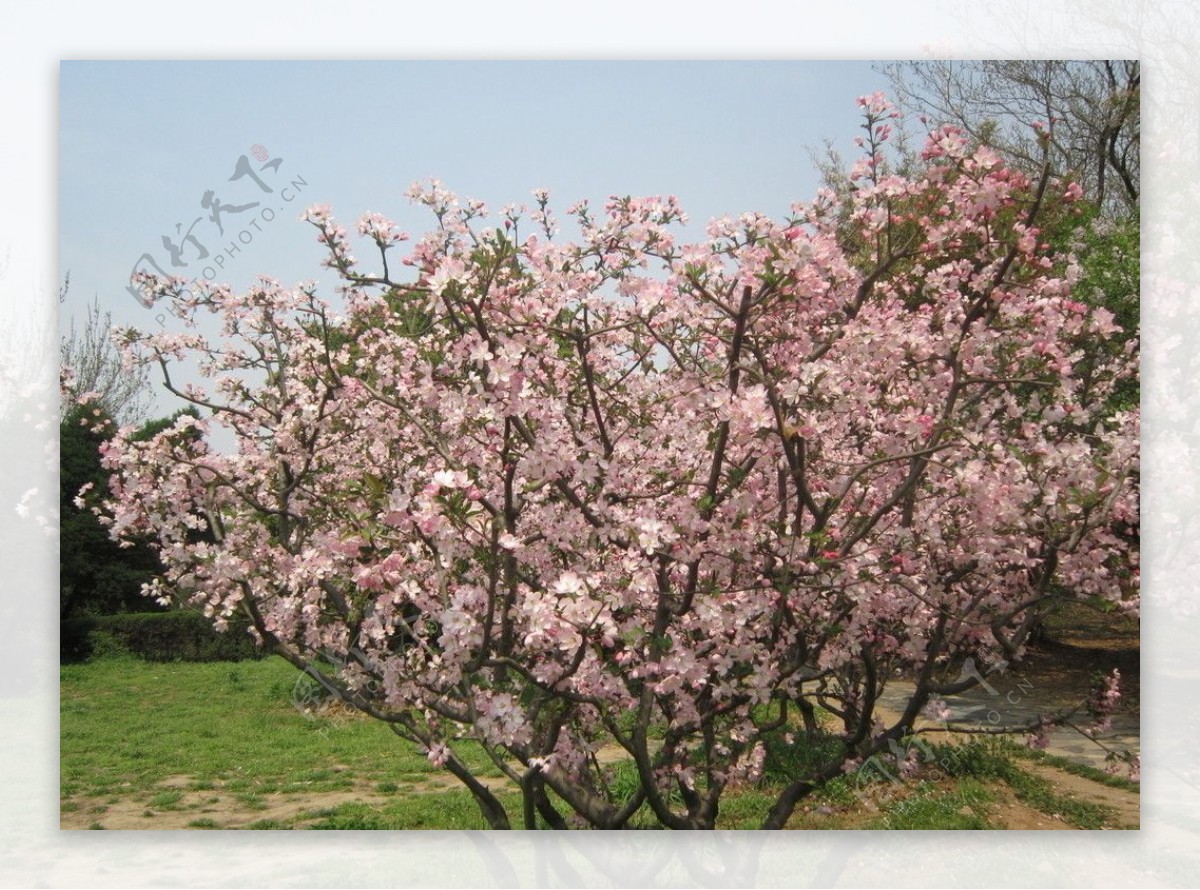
{"x":166,"y":800}
{"x":269,"y":825}
{"x":454,"y":809}
{"x":128,"y":725}
{"x":251,"y":801}
{"x":994,"y":759}
{"x":1079,"y":769}
{"x":229,"y":734}
{"x":957,"y":794}
{"x":785,"y":760}
{"x":1040,"y":794}
{"x":933,"y":808}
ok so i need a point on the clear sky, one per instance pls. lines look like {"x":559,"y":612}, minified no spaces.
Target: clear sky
{"x":142,"y":143}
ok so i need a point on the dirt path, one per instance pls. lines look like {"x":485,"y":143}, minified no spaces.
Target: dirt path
{"x":1050,"y":681}
{"x":1010,"y":814}
{"x":1015,"y":815}
{"x":209,"y":809}
{"x":1127,"y":804}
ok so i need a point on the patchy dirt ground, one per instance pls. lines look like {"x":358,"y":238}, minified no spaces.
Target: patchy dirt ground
{"x":1013,"y":814}
{"x":1127,"y":804}
{"x":216,"y":807}
{"x":207,"y":809}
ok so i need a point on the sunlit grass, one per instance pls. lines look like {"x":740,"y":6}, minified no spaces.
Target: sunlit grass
{"x":127,"y":725}
{"x":183,"y":738}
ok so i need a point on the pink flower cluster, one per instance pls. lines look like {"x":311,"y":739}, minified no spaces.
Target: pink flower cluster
{"x":1104,"y":702}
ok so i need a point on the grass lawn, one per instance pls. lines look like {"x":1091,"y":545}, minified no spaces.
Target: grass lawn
{"x":220,"y":745}
{"x":209,"y":745}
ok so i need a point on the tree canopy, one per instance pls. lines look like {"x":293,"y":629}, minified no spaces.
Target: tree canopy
{"x":622,"y":510}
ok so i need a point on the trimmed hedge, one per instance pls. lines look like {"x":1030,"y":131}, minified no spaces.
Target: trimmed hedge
{"x":155,"y":636}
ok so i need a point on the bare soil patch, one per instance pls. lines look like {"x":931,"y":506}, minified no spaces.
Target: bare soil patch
{"x":1011,"y":814}
{"x":1126,"y":804}
{"x":218,"y":808}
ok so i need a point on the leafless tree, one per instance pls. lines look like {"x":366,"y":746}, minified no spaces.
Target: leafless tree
{"x":1094,"y":106}
{"x":95,"y":366}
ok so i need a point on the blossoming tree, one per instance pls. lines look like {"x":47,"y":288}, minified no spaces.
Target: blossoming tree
{"x":621,"y":504}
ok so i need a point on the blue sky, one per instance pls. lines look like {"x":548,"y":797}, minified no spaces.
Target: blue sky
{"x":142,"y":142}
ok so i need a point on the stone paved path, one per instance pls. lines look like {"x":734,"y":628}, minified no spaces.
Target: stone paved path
{"x":1011,"y":700}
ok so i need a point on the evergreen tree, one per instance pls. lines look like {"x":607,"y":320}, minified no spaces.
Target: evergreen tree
{"x":96,"y":575}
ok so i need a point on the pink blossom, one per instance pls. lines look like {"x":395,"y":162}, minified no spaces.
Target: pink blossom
{"x":936,"y":709}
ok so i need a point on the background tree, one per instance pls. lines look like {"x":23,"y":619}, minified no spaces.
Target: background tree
{"x":90,"y":363}
{"x":98,"y":576}
{"x":1090,"y":111}
{"x":96,"y":393}
{"x":1083,"y":120}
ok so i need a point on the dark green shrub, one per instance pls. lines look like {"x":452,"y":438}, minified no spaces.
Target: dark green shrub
{"x":155,"y":636}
